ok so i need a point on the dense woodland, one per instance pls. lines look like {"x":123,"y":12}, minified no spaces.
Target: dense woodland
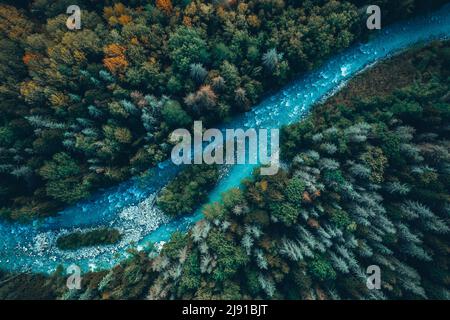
{"x":366,"y":182}
{"x":84,"y":109}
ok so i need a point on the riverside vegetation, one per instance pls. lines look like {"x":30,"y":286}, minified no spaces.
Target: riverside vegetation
{"x":78,"y":239}
{"x":365,"y":182}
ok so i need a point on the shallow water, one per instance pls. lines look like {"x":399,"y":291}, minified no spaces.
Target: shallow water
{"x":129,"y":206}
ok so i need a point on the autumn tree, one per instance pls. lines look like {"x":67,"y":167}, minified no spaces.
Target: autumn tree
{"x":115,"y":60}
{"x":164,"y":5}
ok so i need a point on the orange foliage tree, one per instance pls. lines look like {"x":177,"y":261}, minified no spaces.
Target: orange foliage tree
{"x":164,"y":5}
{"x":117,"y":14}
{"x":28,"y":57}
{"x":115,"y":60}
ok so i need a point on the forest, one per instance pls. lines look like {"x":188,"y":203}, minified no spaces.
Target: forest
{"x":365,"y":182}
{"x":85,"y":109}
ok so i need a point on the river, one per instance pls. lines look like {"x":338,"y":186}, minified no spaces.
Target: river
{"x":129,"y":206}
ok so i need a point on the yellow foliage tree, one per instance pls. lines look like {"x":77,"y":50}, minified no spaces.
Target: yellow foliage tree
{"x":117,"y":14}
{"x":13,"y":23}
{"x":123,"y":135}
{"x":58,"y":100}
{"x":31,"y":91}
{"x":119,"y":9}
{"x":254,"y":21}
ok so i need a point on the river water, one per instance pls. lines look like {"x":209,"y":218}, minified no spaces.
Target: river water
{"x":129,"y":206}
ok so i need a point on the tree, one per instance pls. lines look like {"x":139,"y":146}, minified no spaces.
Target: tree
{"x":64,"y":180}
{"x":202,"y":100}
{"x":321,"y":269}
{"x":164,"y":5}
{"x":294,"y":191}
{"x":375,"y":159}
{"x":285,"y":213}
{"x":271,"y":59}
{"x":13,"y":23}
{"x":115,"y":60}
{"x":186,"y":46}
{"x":174,"y":115}
{"x":198,"y":72}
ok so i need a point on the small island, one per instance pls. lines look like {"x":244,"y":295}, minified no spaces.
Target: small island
{"x":78,"y":239}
